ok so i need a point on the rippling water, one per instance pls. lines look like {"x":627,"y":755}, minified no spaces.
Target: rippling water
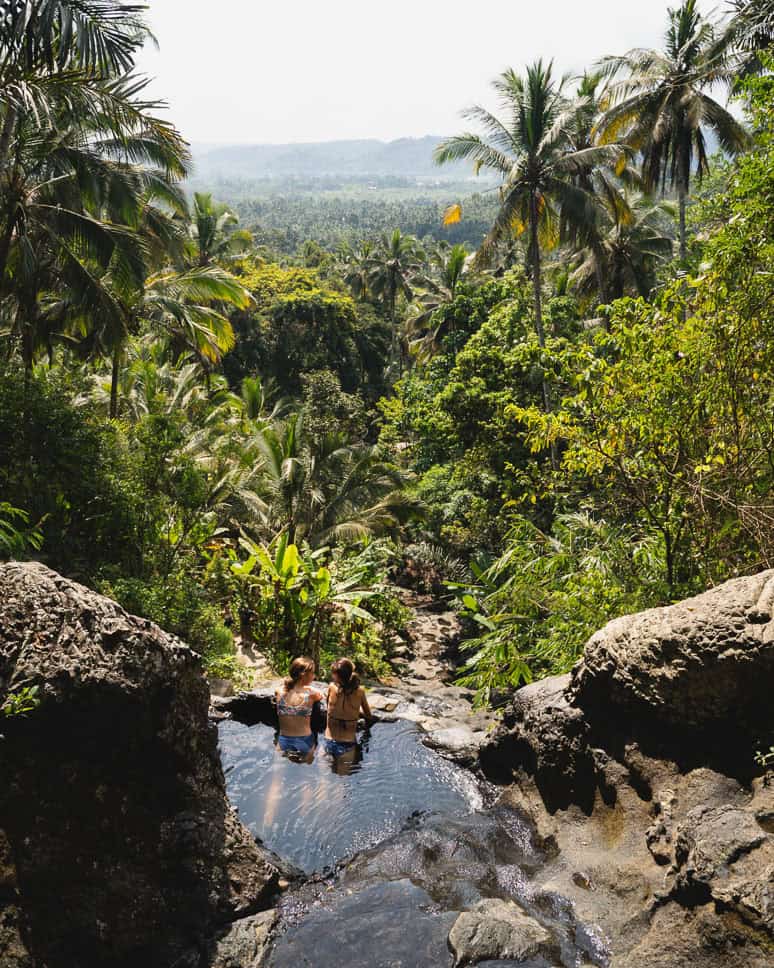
{"x":316,"y":815}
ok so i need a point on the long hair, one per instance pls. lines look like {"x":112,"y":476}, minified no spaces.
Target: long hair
{"x":298,"y":669}
{"x":345,"y":670}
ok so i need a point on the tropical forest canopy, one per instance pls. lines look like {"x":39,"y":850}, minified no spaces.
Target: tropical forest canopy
{"x":255,"y":414}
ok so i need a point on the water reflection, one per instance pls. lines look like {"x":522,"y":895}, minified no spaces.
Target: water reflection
{"x":317,"y":813}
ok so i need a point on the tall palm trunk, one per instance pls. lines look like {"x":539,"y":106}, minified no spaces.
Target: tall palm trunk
{"x":599,"y":259}
{"x":682,"y":195}
{"x":537,"y":281}
{"x":396,"y":350}
{"x":114,"y":374}
{"x":5,"y":241}
{"x":538,"y":301}
{"x":6,"y":134}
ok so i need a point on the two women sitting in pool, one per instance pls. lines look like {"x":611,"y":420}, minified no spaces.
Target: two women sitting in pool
{"x":346,"y":699}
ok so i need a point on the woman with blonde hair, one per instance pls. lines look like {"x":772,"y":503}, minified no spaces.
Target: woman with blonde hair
{"x":294,"y":710}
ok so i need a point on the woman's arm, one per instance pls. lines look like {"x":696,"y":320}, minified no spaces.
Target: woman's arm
{"x":364,"y":704}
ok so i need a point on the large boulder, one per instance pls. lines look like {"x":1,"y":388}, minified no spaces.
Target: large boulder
{"x":690,"y":682}
{"x":704,"y":665}
{"x":117,"y":843}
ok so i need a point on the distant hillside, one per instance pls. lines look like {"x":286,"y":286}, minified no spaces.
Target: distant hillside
{"x":404,"y":158}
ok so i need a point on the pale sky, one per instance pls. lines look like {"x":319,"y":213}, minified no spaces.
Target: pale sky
{"x":275,"y":71}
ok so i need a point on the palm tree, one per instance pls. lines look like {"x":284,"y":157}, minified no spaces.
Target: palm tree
{"x":393,"y":264}
{"x":748,"y":34}
{"x":328,"y":490}
{"x":55,"y":49}
{"x":450,"y":263}
{"x":358,"y":266}
{"x":212,"y":232}
{"x":530,"y":150}
{"x":87,"y":34}
{"x":661,"y":108}
{"x":79,"y":200}
{"x":630,"y":239}
{"x":602,"y":182}
{"x":181,"y":305}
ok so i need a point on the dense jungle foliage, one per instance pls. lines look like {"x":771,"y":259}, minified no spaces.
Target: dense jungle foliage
{"x":550,"y":403}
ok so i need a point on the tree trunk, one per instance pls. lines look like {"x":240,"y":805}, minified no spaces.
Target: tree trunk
{"x":537,"y":295}
{"x":536,"y":279}
{"x":669,"y":561}
{"x":6,"y":134}
{"x":682,"y":193}
{"x":598,"y":260}
{"x":115,"y":371}
{"x":5,"y":245}
{"x":394,"y":330}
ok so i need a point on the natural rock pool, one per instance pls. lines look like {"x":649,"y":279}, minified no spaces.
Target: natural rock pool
{"x":413,"y":844}
{"x":316,"y":815}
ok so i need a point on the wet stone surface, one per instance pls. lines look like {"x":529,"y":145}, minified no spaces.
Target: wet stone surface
{"x":407,"y":893}
{"x":388,"y":924}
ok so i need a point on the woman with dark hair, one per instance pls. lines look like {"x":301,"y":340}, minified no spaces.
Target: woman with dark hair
{"x":294,"y":711}
{"x":346,"y":700}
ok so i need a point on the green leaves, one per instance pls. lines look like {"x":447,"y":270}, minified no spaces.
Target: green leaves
{"x":22,"y":701}
{"x":536,"y":605}
{"x":305,"y":597}
{"x":16,"y":536}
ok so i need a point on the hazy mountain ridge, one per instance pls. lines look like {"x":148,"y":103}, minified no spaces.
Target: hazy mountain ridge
{"x":405,"y":157}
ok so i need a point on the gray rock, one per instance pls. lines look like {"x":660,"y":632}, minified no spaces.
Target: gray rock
{"x":244,"y":944}
{"x":116,"y":837}
{"x":392,"y":924}
{"x":497,"y":929}
{"x":542,"y":734}
{"x":704,"y":663}
{"x":697,"y":937}
{"x":724,"y":854}
{"x":660,"y":835}
{"x":380,"y":703}
{"x":458,"y":743}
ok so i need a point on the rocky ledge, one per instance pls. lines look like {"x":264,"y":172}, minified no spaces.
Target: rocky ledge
{"x":117,"y":843}
{"x":639,"y":767}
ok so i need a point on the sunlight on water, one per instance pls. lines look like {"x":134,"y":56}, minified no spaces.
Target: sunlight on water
{"x":314,"y":816}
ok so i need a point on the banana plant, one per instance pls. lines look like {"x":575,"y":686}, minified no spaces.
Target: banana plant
{"x":300,"y":594}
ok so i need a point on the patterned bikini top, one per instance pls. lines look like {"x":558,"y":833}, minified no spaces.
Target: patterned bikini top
{"x":284,"y":708}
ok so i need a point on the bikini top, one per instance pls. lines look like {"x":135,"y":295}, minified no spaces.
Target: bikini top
{"x":284,"y":708}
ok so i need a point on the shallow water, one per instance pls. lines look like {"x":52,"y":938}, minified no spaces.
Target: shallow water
{"x":318,"y":814}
